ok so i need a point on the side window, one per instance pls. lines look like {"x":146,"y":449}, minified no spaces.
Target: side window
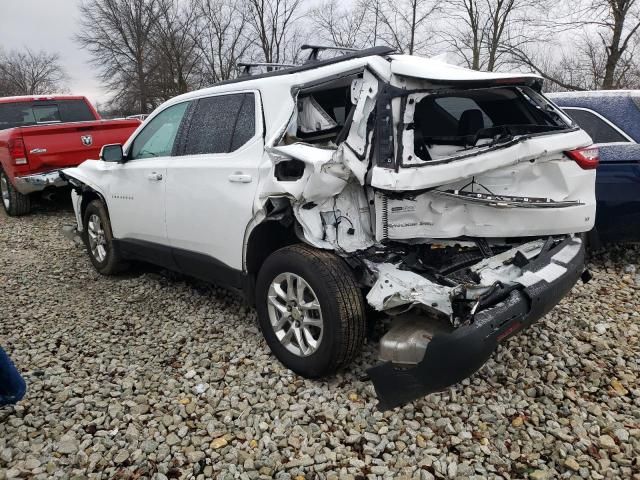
{"x":158,"y":136}
{"x":221,"y":124}
{"x":599,"y":130}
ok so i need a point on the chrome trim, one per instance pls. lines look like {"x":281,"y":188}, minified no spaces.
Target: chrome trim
{"x":507,"y":201}
{"x":38,"y":182}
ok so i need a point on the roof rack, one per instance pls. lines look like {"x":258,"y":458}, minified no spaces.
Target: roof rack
{"x":286,"y":69}
{"x":316,"y":49}
{"x":271,"y":67}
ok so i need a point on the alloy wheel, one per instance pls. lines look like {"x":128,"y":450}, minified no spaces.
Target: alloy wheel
{"x":295,"y":314}
{"x":97,"y":239}
{"x":4,"y":190}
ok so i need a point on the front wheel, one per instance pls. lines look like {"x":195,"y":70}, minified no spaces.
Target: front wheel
{"x":310,"y":310}
{"x":14,"y":202}
{"x":98,"y":239}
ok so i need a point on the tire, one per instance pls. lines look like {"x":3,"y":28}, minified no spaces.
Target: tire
{"x":340,"y":311}
{"x":15,"y":203}
{"x":98,"y":240}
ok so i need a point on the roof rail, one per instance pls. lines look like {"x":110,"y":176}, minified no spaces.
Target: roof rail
{"x":270,"y":67}
{"x":286,"y":69}
{"x":316,"y":49}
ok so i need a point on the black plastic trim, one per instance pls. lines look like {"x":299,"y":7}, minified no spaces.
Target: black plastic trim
{"x":450,"y":358}
{"x":190,"y":263}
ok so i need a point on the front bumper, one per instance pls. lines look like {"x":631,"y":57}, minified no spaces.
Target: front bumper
{"x":452,"y":357}
{"x":38,"y":182}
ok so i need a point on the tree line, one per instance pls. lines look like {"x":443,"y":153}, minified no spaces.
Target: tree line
{"x":147,"y":51}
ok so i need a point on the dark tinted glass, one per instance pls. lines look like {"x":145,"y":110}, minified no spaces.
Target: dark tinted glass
{"x":599,"y":130}
{"x":221,"y":124}
{"x":75,"y":111}
{"x":22,"y":114}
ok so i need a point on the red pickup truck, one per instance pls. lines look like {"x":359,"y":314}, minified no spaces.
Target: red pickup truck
{"x":41,"y":135}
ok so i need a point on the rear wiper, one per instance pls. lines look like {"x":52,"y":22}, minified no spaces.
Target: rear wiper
{"x":505,"y":133}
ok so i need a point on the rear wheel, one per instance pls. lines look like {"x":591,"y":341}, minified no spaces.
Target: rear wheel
{"x":310,"y":310}
{"x":98,"y":239}
{"x":14,"y":202}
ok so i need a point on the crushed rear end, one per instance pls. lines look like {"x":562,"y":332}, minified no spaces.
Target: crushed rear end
{"x":457,"y":197}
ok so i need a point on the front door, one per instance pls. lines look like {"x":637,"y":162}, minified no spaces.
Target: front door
{"x":137,"y":187}
{"x":212,"y":184}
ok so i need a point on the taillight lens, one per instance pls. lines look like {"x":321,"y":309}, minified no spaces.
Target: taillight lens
{"x":588,"y":158}
{"x":17,"y":151}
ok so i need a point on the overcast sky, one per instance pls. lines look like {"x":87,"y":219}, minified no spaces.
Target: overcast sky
{"x":50,"y":25}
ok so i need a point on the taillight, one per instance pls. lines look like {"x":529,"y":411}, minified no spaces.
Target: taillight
{"x":588,"y":158}
{"x":17,"y":151}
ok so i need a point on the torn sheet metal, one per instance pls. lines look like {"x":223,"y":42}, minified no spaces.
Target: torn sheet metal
{"x":435,"y":174}
{"x":323,"y":178}
{"x":434,"y":215}
{"x":341,"y":222}
{"x":401,"y":288}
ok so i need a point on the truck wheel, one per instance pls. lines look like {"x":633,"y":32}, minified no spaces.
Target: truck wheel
{"x":14,"y":202}
{"x":98,"y":239}
{"x":310,"y":310}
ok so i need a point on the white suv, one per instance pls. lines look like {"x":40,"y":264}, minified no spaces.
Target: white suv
{"x":450,"y":199}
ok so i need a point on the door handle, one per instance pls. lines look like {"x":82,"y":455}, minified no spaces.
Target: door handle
{"x":240,"y":177}
{"x":154,"y":177}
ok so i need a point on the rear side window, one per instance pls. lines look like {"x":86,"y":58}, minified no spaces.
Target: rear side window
{"x":598,"y":129}
{"x":24,"y":114}
{"x":221,"y":124}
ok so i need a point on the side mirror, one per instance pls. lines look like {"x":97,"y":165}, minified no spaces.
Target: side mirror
{"x":112,"y":153}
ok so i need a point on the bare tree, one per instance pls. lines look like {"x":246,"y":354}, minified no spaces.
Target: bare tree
{"x":274,"y":25}
{"x":405,"y":24}
{"x":118,"y":34}
{"x":349,"y":26}
{"x":31,"y":73}
{"x":175,"y":49}
{"x":482,"y":32}
{"x":222,"y":38}
{"x":604,"y":35}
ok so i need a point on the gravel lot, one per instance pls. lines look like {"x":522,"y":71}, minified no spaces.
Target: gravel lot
{"x":155,"y":375}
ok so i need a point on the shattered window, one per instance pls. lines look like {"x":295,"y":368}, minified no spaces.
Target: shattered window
{"x":446,"y":123}
{"x":599,"y":130}
{"x":221,"y":124}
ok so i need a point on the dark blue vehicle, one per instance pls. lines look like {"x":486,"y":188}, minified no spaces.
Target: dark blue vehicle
{"x":612,"y":119}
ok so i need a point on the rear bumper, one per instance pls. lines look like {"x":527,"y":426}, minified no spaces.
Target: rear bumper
{"x":38,"y":182}
{"x":452,"y":357}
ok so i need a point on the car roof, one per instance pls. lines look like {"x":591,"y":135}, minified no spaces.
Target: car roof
{"x":35,"y":98}
{"x":594,"y":94}
{"x":618,"y":106}
{"x":275,"y":87}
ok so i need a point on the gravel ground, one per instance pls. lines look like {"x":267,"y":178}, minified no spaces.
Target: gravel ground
{"x":155,"y":375}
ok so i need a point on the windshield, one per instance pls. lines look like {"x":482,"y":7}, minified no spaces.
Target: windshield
{"x":23,"y":114}
{"x":457,"y":121}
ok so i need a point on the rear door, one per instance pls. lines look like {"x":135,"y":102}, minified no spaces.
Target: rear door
{"x":137,"y":187}
{"x":212,"y":184}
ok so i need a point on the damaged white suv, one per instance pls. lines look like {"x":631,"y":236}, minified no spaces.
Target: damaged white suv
{"x":450,"y":199}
